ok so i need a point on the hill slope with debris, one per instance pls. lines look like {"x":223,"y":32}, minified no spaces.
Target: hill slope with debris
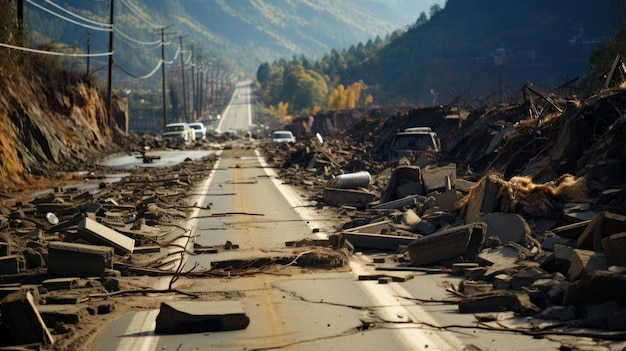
{"x":584,"y":138}
{"x":50,"y":120}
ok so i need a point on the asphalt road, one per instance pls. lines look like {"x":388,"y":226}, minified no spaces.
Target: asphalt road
{"x":301,"y":308}
{"x":238,"y":114}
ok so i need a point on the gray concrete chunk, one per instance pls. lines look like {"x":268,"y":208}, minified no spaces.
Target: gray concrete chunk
{"x":506,"y":226}
{"x":99,"y":234}
{"x":466,"y":240}
{"x":184,"y":317}
{"x":78,"y":260}
{"x":434,"y":178}
{"x":21,"y":317}
{"x":584,"y":262}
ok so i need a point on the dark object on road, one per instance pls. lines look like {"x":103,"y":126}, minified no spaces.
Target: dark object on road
{"x":186,"y":317}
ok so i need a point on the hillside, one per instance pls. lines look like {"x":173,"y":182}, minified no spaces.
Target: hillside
{"x":479,"y":49}
{"x":241,"y":33}
{"x":51,"y":122}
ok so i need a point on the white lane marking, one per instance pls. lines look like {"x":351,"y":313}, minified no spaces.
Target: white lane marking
{"x":401,"y":310}
{"x":141,"y":324}
{"x":299,"y":205}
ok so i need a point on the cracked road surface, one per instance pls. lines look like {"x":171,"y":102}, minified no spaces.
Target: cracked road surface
{"x":290,"y":308}
{"x":243,"y":204}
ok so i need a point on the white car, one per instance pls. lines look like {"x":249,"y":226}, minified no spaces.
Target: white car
{"x":199,"y":129}
{"x":179,"y":132}
{"x":282,"y":137}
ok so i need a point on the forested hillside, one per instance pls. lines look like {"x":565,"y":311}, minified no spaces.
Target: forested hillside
{"x":471,"y":51}
{"x":241,"y":33}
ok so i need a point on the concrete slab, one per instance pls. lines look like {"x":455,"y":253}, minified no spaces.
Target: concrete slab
{"x":184,"y":317}
{"x":602,"y":225}
{"x":11,"y":264}
{"x":377,"y":241}
{"x":68,"y":314}
{"x":434,"y":178}
{"x":482,"y":199}
{"x":402,"y":175}
{"x":60,"y":283}
{"x":465,"y":240}
{"x":78,"y":260}
{"x":584,"y":261}
{"x":614,"y":247}
{"x":21,"y":317}
{"x":99,"y":234}
{"x":506,"y":226}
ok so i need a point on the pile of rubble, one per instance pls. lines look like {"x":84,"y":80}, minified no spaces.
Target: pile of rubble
{"x":526,"y":201}
{"x":49,"y":241}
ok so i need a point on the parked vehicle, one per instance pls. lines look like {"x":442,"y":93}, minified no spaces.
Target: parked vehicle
{"x":415,"y":139}
{"x":200,"y":130}
{"x":282,"y":136}
{"x":179,"y":132}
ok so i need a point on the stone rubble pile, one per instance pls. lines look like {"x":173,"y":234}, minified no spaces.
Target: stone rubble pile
{"x":526,"y":201}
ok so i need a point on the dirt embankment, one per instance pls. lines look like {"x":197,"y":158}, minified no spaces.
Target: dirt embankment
{"x":50,"y":120}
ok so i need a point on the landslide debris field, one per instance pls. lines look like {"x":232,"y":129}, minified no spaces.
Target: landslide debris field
{"x":525,"y":201}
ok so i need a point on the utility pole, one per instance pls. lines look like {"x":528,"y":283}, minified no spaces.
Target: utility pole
{"x":182,"y":67}
{"x":20,"y":18}
{"x":163,"y":90}
{"x":111,"y":62}
{"x":88,"y":50}
{"x":194,"y":109}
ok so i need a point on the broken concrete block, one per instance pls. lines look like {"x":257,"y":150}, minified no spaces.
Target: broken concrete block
{"x":397,"y":277}
{"x":502,"y":281}
{"x":506,"y":226}
{"x":598,"y":314}
{"x":446,"y":201}
{"x":571,"y":231}
{"x":616,"y":320}
{"x":563,"y":252}
{"x":377,"y":227}
{"x":434,"y":178}
{"x":20,"y":316}
{"x":465,"y":240}
{"x":614,"y":247}
{"x":602,"y":225}
{"x":78,"y":260}
{"x":550,"y":239}
{"x":4,"y":249}
{"x":11,"y":264}
{"x":559,"y":313}
{"x":407,"y":201}
{"x":60,"y":284}
{"x":499,"y":302}
{"x":597,"y":287}
{"x":526,"y":277}
{"x":459,"y":268}
{"x":423,"y":228}
{"x":377,"y":241}
{"x":474,"y":273}
{"x":356,"y":198}
{"x":482,"y":199}
{"x":473,"y":288}
{"x":583,"y":262}
{"x":184,"y":317}
{"x":99,"y":234}
{"x":400,"y":176}
{"x":66,"y":313}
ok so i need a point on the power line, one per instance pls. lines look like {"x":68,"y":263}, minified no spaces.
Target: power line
{"x":108,"y":29}
{"x":156,"y":43}
{"x":149,"y":75}
{"x":134,"y":9}
{"x":54,"y":53}
{"x":78,"y":16}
